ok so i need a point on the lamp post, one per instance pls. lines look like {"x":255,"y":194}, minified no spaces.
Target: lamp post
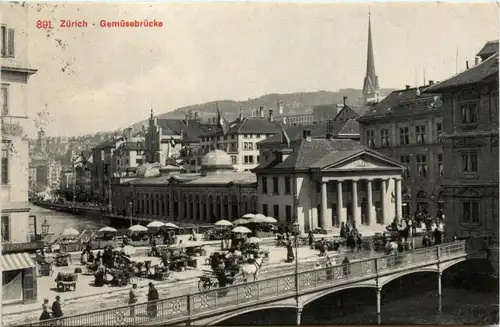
{"x":45,"y":228}
{"x":296,"y":233}
{"x":131,"y":206}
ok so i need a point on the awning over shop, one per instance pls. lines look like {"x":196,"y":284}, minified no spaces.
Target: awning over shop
{"x":16,"y":261}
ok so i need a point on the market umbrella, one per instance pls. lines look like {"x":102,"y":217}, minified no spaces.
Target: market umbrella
{"x":70,"y":232}
{"x":223,"y":223}
{"x":271,"y":220}
{"x":138,"y":228}
{"x":128,"y":250}
{"x":258,"y":219}
{"x":253,"y":240}
{"x":155,"y":223}
{"x":248,"y":216}
{"x":240,"y":221}
{"x":241,"y":230}
{"x":107,"y":229}
{"x":171,"y":225}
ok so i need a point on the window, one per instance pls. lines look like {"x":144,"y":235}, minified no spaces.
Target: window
{"x":288,"y":185}
{"x":5,"y":167}
{"x":248,"y":160}
{"x":468,"y":113}
{"x":257,"y":159}
{"x":440,"y":167}
{"x":5,"y":228}
{"x":469,"y":162}
{"x":234,"y":160}
{"x":370,"y":138}
{"x":288,"y":212}
{"x":420,"y":131}
{"x":439,"y":130}
{"x":384,"y":137}
{"x":470,"y":212}
{"x":421,"y":166}
{"x":264,"y":185}
{"x":276,"y":211}
{"x":276,"y":186}
{"x":405,"y":160}
{"x":7,"y":47}
{"x":404,"y":136}
{"x":5,"y":100}
{"x":264,"y":209}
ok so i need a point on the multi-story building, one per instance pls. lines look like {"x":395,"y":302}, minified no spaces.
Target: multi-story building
{"x":324,"y":182}
{"x":162,"y":192}
{"x":470,"y":141}
{"x":19,"y":277}
{"x":407,"y":127}
{"x":241,"y":140}
{"x":129,"y":155}
{"x":53,"y":173}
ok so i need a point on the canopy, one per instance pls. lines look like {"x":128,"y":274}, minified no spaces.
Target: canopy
{"x":258,"y":219}
{"x":248,"y":216}
{"x":155,"y":223}
{"x":223,"y":223}
{"x":108,"y":229}
{"x":128,"y":250}
{"x":254,"y":240}
{"x":170,"y":225}
{"x":138,"y":228}
{"x":241,"y":230}
{"x":70,"y":232}
{"x":271,"y":220}
{"x":240,"y":221}
{"x":188,"y":244}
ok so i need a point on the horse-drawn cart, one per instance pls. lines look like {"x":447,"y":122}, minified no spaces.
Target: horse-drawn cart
{"x":66,"y":282}
{"x":210,"y":280}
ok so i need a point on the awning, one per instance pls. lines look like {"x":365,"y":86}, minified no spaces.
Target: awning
{"x":16,"y":261}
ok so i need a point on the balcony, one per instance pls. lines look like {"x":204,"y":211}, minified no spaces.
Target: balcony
{"x":13,"y":125}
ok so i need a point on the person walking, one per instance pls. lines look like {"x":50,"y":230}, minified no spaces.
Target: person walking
{"x":45,"y":310}
{"x":132,"y":299}
{"x":56,"y":308}
{"x":153,"y":296}
{"x":359,"y":243}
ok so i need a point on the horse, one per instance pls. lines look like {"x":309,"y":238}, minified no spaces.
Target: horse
{"x":251,"y":269}
{"x":391,"y":248}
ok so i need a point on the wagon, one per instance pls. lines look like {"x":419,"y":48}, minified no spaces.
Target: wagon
{"x":209,"y":280}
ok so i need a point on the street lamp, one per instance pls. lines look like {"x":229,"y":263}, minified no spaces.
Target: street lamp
{"x":130,"y":206}
{"x":45,"y":228}
{"x":296,"y":233}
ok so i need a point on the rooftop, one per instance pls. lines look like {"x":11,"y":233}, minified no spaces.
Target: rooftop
{"x":251,"y":126}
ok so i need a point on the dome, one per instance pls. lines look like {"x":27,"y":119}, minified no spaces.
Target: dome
{"x":217,"y":159}
{"x":148,"y":170}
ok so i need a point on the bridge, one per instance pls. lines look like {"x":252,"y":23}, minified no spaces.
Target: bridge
{"x":292,"y":291}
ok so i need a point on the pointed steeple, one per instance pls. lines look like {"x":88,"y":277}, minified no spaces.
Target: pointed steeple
{"x":370,"y":84}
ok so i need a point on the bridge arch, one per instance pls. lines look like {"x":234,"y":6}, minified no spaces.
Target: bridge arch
{"x":316,"y":296}
{"x":387,"y":279}
{"x":232,"y":314}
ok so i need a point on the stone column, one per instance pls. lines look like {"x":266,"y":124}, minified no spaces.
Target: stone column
{"x":325,"y":222}
{"x":171,"y":206}
{"x":383,"y":195}
{"x":200,"y":210}
{"x":208,"y":213}
{"x":355,"y":210}
{"x":340,"y":203}
{"x":221,"y":209}
{"x":299,"y":316}
{"x":379,"y":318}
{"x":369,"y":200}
{"x":440,"y":303}
{"x":399,"y":202}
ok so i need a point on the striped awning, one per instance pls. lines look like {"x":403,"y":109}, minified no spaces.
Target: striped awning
{"x":16,"y":261}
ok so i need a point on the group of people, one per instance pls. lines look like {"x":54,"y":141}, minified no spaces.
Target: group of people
{"x":151,"y":307}
{"x":51,"y":312}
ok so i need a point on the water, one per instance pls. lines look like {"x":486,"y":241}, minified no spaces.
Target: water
{"x":58,"y":221}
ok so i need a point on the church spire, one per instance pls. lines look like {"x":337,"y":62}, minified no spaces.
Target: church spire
{"x":370,"y":84}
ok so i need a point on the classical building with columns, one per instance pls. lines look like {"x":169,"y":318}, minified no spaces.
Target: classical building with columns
{"x":164,"y":193}
{"x":324,"y":182}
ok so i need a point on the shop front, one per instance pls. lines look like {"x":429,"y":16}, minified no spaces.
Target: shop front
{"x":19,"y":284}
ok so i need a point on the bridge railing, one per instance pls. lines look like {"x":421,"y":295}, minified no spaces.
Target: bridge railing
{"x":177,"y":309}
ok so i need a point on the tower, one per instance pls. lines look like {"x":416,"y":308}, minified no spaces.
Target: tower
{"x":42,"y":141}
{"x":370,"y":84}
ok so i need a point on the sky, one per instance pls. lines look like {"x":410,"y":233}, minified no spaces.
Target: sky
{"x":100,"y":79}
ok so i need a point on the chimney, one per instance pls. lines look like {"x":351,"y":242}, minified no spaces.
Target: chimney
{"x":477,"y":61}
{"x":407,"y":87}
{"x":467,"y":64}
{"x":345,"y":101}
{"x":307,"y":135}
{"x":261,"y":112}
{"x":271,"y":116}
{"x":431,"y":82}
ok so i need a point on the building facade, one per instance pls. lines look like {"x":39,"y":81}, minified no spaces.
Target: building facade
{"x":470,"y":141}
{"x":324,"y":182}
{"x":407,"y":126}
{"x":163,"y":192}
{"x":19,"y":277}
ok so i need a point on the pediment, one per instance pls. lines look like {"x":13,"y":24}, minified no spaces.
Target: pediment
{"x":469,"y":193}
{"x":365,"y":161}
{"x":468,"y":142}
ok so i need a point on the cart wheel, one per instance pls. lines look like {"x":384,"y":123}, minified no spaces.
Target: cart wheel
{"x":215,"y":284}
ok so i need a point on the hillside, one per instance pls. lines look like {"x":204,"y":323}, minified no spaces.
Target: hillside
{"x":293,"y":103}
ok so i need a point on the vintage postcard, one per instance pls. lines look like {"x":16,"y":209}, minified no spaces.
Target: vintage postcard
{"x":249,"y":163}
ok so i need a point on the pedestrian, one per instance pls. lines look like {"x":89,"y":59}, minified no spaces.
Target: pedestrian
{"x":56,"y":308}
{"x":311,"y":240}
{"x":45,"y":310}
{"x":289,"y":251}
{"x":132,"y":299}
{"x":153,"y":296}
{"x":343,"y":233}
{"x":347,"y":269}
{"x":359,"y":242}
{"x":438,"y":235}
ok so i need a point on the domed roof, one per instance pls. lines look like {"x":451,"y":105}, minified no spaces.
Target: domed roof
{"x":148,"y":170}
{"x":217,"y":159}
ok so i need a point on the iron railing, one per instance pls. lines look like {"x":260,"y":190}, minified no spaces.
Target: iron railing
{"x":187,"y":307}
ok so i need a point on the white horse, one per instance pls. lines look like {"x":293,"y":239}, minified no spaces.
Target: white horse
{"x":391,"y":248}
{"x":251,"y":269}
